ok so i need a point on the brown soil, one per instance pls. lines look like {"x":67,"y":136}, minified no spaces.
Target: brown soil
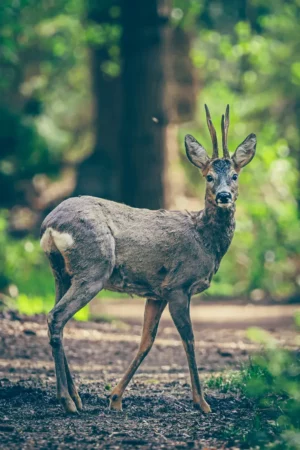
{"x":157,"y":407}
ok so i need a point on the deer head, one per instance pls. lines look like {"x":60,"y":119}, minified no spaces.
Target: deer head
{"x":221,"y":173}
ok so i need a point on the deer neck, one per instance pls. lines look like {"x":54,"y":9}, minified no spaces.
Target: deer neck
{"x":216,"y":227}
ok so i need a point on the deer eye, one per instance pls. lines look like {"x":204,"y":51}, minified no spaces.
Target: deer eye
{"x":234,"y":176}
{"x":209,"y":178}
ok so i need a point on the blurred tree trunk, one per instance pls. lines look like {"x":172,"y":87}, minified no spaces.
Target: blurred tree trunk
{"x":181,"y":94}
{"x":144,"y":117}
{"x":99,"y":175}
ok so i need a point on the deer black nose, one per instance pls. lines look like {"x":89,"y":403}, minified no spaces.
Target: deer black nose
{"x":223,"y":197}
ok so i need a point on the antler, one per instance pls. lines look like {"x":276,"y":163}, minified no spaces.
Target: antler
{"x":213,"y":134}
{"x":224,"y":127}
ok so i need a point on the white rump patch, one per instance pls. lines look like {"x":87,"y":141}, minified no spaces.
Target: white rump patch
{"x":63,"y":241}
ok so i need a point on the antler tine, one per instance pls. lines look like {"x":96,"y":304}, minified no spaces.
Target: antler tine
{"x":213,"y":134}
{"x":224,"y":127}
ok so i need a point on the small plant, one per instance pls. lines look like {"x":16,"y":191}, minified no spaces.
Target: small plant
{"x":271,"y":382}
{"x":228,"y":382}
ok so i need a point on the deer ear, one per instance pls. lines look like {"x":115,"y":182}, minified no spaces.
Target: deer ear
{"x":195,"y":152}
{"x":245,"y":151}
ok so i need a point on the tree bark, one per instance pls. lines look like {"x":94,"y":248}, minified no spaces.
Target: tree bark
{"x":100,"y":174}
{"x":144,"y":117}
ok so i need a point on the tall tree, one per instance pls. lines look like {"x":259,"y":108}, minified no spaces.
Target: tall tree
{"x":144,"y":118}
{"x":99,"y":175}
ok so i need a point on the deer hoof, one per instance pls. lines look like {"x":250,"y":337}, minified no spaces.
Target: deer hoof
{"x":115,"y":403}
{"x":77,"y":400}
{"x":203,"y":406}
{"x":68,"y":405}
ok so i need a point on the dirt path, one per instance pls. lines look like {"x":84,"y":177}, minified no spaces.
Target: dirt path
{"x":158,"y":411}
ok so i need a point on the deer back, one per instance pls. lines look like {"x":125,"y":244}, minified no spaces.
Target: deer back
{"x":154,"y":251}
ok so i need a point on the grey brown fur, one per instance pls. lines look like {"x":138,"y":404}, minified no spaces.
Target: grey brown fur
{"x":143,"y":252}
{"x":165,"y":256}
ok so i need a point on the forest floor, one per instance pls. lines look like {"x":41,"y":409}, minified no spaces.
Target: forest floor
{"x":157,"y":407}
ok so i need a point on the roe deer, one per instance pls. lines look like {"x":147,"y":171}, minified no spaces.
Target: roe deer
{"x":165,"y":256}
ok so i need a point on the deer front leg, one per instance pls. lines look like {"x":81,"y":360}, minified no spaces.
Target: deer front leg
{"x":153,"y":312}
{"x":179,"y":306}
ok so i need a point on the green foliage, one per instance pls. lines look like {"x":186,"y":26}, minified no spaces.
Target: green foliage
{"x":25,"y":151}
{"x":274,"y":382}
{"x":250,"y":59}
{"x":271,"y":381}
{"x":44,"y":85}
{"x":24,"y":272}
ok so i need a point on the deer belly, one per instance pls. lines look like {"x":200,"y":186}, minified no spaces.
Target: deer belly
{"x":123,"y":280}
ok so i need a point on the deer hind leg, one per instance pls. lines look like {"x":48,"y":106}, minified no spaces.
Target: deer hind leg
{"x":62,"y":284}
{"x":72,"y":386}
{"x":179,"y":306}
{"x":153,"y":312}
{"x":77,"y":296}
{"x":90,"y":262}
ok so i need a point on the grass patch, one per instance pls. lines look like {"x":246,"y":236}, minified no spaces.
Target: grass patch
{"x":271,"y":384}
{"x":237,"y":381}
{"x":227,"y":382}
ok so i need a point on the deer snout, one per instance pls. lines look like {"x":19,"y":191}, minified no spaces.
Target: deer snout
{"x":224,"y":197}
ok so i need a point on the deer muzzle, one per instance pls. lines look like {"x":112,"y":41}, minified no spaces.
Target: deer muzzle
{"x":224,"y":198}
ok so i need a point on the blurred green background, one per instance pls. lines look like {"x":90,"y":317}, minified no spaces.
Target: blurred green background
{"x":96,"y":97}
